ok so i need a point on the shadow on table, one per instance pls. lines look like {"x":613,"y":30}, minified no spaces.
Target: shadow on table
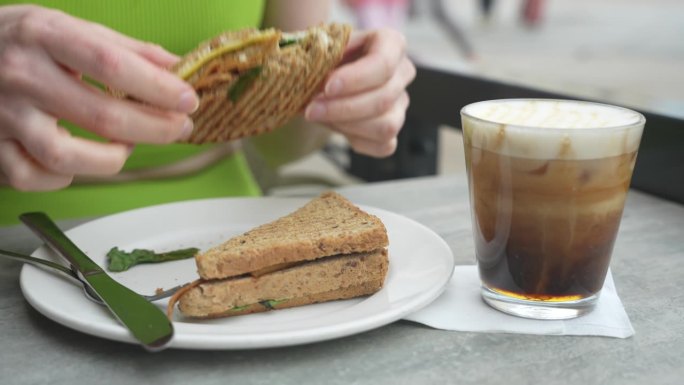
{"x":117,"y":360}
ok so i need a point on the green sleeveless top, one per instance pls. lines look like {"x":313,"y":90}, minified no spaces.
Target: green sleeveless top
{"x":177,"y":25}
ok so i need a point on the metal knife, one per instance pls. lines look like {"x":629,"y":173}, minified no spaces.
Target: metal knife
{"x":146,"y":322}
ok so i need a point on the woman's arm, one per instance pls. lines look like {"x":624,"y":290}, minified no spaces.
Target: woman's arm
{"x":293,"y":15}
{"x":297,"y":138}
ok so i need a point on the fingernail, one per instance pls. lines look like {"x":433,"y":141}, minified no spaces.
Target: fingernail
{"x":188,"y":103}
{"x":187,"y":129}
{"x":334,"y":87}
{"x":315,"y":111}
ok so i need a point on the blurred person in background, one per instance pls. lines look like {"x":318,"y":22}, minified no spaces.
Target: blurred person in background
{"x":530,"y":11}
{"x":69,"y":149}
{"x":374,"y":14}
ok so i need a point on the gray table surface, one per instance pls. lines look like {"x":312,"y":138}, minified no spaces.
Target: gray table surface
{"x":648,"y":267}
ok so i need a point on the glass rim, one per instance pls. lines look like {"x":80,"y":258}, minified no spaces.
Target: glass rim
{"x":640,"y":121}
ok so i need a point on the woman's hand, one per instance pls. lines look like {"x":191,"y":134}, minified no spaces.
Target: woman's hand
{"x":365,"y":98}
{"x":43,"y":54}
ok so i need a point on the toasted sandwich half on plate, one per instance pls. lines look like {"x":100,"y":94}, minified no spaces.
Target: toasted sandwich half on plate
{"x":328,"y":249}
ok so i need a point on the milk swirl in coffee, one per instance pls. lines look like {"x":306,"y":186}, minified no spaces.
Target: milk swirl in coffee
{"x":548,"y":181}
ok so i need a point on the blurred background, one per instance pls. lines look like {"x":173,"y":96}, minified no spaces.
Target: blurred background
{"x":625,"y":52}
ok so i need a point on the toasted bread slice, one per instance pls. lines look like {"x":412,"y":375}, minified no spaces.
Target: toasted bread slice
{"x":326,"y":279}
{"x":327,"y":225}
{"x":280,"y":81}
{"x":249,"y":83}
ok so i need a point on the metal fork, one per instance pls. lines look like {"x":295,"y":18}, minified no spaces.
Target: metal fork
{"x":89,"y":293}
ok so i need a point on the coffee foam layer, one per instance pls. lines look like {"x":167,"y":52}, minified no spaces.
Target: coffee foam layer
{"x":552,"y":129}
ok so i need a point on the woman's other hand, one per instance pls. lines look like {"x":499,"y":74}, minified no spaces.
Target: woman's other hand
{"x":365,"y":98}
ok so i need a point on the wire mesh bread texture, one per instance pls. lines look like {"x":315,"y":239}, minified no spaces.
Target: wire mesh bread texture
{"x":289,"y":78}
{"x":327,"y":225}
{"x":325,"y":279}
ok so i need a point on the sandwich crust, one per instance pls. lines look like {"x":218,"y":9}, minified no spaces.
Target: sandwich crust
{"x":327,"y":225}
{"x":326,"y":279}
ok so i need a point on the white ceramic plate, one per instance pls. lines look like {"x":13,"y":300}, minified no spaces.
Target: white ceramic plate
{"x":421,"y":264}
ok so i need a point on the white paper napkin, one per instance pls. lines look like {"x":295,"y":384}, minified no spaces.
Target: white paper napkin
{"x":461,"y":308}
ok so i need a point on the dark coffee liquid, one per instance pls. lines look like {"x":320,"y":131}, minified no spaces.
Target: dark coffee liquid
{"x":545,"y":229}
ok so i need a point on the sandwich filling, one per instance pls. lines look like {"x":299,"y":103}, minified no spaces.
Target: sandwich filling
{"x":329,"y":278}
{"x":221,"y":46}
{"x":231,"y":54}
{"x":238,"y":60}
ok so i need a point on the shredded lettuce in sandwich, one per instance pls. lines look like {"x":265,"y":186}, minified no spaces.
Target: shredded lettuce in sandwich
{"x":288,"y":41}
{"x":243,"y":82}
{"x":290,"y":38}
{"x":271,"y":303}
{"x":248,"y":77}
{"x":268,"y":304}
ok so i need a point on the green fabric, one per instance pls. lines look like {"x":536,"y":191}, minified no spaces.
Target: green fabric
{"x":87,"y":200}
{"x":178,"y":26}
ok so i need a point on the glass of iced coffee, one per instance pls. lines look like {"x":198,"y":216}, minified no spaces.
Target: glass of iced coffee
{"x":548,"y":181}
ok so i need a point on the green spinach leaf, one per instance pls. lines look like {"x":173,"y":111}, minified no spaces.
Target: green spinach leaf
{"x":245,"y":79}
{"x":119,"y":260}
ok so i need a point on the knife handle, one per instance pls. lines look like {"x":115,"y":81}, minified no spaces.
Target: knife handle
{"x":53,"y":236}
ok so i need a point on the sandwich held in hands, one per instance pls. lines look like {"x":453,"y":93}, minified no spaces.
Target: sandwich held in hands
{"x":328,"y":249}
{"x":252,"y":81}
